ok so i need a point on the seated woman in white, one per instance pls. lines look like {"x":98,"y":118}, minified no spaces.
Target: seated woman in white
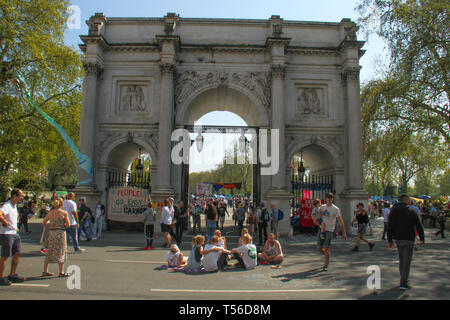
{"x":175,"y":258}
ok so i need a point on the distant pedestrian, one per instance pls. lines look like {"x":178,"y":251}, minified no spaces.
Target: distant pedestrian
{"x":149,"y":225}
{"x":223,"y":212}
{"x":362,"y":216}
{"x":386,"y":212}
{"x":263,"y":221}
{"x":99,"y":216}
{"x":9,"y":238}
{"x":330,"y":213}
{"x":211,"y":219}
{"x":275,"y":216}
{"x":24,"y":216}
{"x":196,"y":217}
{"x":401,"y":226}
{"x":240,"y":216}
{"x":441,"y":219}
{"x":181,"y":221}
{"x":433,"y":216}
{"x":85,"y":216}
{"x":58,"y":221}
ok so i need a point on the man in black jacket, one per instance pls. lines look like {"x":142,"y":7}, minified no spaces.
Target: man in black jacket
{"x":402,"y":224}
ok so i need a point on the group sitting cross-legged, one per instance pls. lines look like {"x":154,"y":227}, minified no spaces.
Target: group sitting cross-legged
{"x":214,"y":256}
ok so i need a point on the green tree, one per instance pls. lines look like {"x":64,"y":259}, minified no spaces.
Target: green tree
{"x":414,"y":90}
{"x":32,"y":44}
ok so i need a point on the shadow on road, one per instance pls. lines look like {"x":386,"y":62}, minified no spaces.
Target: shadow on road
{"x":392,"y":294}
{"x":313,"y":273}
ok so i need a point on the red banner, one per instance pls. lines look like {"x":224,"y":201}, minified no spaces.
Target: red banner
{"x":306,"y":212}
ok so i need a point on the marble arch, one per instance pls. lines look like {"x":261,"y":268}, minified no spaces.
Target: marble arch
{"x":149,"y":76}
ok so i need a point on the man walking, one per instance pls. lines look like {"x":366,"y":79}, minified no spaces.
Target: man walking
{"x":330,"y":213}
{"x":196,"y":219}
{"x":99,"y":214}
{"x":9,"y":238}
{"x":401,"y":226}
{"x":71,"y":208}
{"x":386,"y":212}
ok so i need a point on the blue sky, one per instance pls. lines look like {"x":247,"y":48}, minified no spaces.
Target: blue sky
{"x":306,"y":10}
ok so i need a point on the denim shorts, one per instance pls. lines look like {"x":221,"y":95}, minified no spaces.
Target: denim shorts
{"x":324,"y":243}
{"x":11,"y":245}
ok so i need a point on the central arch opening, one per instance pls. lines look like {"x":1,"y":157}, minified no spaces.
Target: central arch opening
{"x":225,"y":162}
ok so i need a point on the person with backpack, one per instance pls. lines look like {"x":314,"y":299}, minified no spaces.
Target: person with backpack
{"x":441,"y":219}
{"x":263,"y":220}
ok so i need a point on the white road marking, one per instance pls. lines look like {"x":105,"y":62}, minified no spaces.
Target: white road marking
{"x":246,"y":291}
{"x":30,"y":285}
{"x":130,"y":261}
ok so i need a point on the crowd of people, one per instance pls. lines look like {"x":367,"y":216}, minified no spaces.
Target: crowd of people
{"x":403,"y":223}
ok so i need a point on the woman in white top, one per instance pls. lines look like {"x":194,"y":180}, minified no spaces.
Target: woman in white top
{"x":175,"y":258}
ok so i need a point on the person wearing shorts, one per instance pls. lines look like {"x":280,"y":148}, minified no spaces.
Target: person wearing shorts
{"x":330,"y":214}
{"x":10,"y":242}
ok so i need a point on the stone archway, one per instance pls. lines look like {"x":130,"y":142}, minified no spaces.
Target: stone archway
{"x":246,"y":94}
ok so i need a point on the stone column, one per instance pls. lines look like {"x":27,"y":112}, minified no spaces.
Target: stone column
{"x":162,"y":183}
{"x":354,"y":179}
{"x":279,"y":195}
{"x":278,"y":122}
{"x":89,"y":115}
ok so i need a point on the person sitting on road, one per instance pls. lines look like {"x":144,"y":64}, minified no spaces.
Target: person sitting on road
{"x":243,"y":233}
{"x":215,"y":257}
{"x":175,"y":258}
{"x":272,"y":253}
{"x":195,"y":260}
{"x":245,"y":254}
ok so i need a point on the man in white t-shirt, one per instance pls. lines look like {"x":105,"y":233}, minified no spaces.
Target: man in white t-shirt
{"x":330,"y":213}
{"x":216,"y":258}
{"x":9,"y":238}
{"x":70,"y":207}
{"x":246,"y":254}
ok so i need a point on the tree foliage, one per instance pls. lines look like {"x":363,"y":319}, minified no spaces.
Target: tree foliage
{"x":405,"y":110}
{"x":415,"y":88}
{"x":32,"y":44}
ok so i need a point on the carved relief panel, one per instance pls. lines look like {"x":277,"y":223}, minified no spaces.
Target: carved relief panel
{"x":132,"y":100}
{"x":311,"y":102}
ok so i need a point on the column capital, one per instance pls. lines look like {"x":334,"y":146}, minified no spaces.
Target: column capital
{"x":92,"y":69}
{"x":350,"y":73}
{"x":167,"y":69}
{"x":278,"y":70}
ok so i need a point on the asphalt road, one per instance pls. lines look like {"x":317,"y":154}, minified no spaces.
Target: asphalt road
{"x":116,"y":267}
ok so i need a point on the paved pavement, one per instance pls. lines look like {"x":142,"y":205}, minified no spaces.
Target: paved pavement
{"x":116,"y":267}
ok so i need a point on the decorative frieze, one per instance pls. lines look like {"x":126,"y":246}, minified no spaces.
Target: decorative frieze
{"x":308,"y":102}
{"x":256,"y":82}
